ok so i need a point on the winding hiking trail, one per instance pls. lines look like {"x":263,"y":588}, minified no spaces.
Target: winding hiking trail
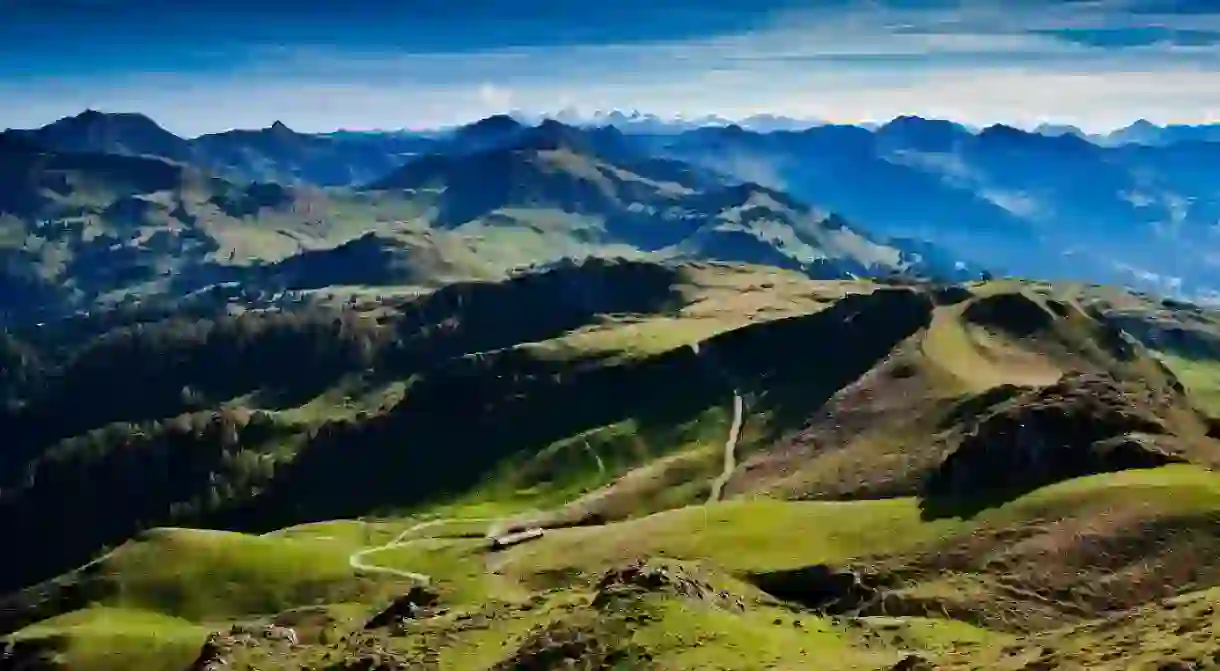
{"x":356,"y":559}
{"x":403,"y":539}
{"x":597,"y":458}
{"x":730,"y":443}
{"x":730,"y":450}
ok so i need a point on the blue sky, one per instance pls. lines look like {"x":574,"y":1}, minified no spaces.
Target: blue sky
{"x":319,"y":65}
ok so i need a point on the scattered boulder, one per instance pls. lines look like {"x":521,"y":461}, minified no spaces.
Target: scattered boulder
{"x":287,"y":635}
{"x":410,"y":606}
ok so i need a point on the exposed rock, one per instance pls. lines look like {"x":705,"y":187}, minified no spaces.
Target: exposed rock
{"x":642,"y":577}
{"x":409,"y":606}
{"x":821,"y":587}
{"x":980,"y":404}
{"x":216,"y":652}
{"x":31,"y":654}
{"x":284,"y":634}
{"x":561,"y":645}
{"x":1084,"y":424}
{"x":1014,"y":313}
{"x":913,"y":663}
{"x":951,"y":294}
{"x":380,"y":661}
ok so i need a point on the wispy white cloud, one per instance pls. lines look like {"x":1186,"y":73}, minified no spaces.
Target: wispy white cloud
{"x":979,"y":63}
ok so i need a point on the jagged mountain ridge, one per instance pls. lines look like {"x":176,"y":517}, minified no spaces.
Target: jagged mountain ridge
{"x":83,"y":226}
{"x":1055,"y":203}
{"x":651,"y":204}
{"x":276,"y":153}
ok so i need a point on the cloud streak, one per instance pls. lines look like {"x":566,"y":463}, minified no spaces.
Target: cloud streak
{"x":1094,"y":64}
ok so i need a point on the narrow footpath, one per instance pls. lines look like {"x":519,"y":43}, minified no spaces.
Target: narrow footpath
{"x":730,"y":450}
{"x":730,"y":443}
{"x":357,"y":559}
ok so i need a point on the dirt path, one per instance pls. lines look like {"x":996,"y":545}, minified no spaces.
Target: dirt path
{"x":601,"y":466}
{"x":356,"y":559}
{"x":494,"y":525}
{"x":730,"y":450}
{"x":730,"y":443}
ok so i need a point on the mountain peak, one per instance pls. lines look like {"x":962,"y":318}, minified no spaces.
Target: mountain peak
{"x":91,"y":117}
{"x":1055,"y":130}
{"x":908,"y":120}
{"x":1141,"y":131}
{"x":921,"y":133}
{"x":915,"y":121}
{"x":1000,"y":130}
{"x":552,"y":134}
{"x":110,"y":132}
{"x":497,"y":123}
{"x":280,"y":130}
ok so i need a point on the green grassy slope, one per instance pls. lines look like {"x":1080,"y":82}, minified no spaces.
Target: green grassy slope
{"x":238,"y":408}
{"x":837,"y":546}
{"x":702,"y":612}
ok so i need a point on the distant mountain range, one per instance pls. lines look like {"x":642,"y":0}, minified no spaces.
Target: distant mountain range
{"x":1034,"y":204}
{"x":1134,"y":207}
{"x":105,"y":209}
{"x":276,"y":153}
{"x":1141,"y":132}
{"x":641,"y":122}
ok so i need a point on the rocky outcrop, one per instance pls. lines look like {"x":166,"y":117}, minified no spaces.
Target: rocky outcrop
{"x":951,"y":294}
{"x":382,"y":661}
{"x":642,"y":577}
{"x":1015,"y":313}
{"x":913,"y":663}
{"x":410,"y":606}
{"x":589,"y":645}
{"x":31,"y":654}
{"x":1084,"y":424}
{"x":217,"y":651}
{"x":824,"y":588}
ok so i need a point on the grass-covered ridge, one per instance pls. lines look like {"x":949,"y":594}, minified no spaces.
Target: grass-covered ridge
{"x":236,"y":408}
{"x":382,"y":441}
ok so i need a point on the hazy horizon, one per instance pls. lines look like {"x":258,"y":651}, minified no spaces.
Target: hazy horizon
{"x":597,"y":117}
{"x":372,"y":64}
